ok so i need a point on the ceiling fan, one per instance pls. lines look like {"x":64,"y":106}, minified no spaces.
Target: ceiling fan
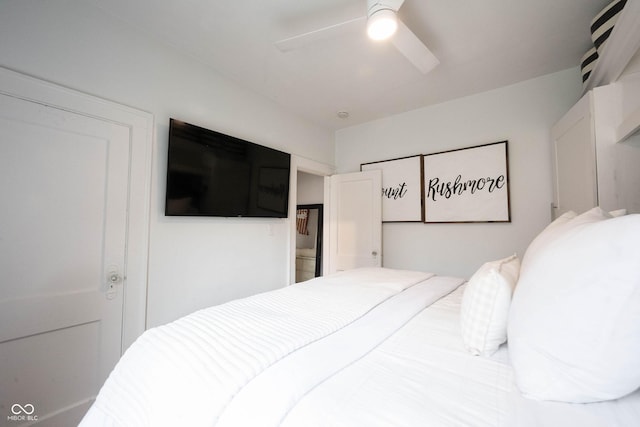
{"x":380,"y":14}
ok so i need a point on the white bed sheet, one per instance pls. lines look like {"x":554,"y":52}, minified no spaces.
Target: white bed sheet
{"x":186,"y":373}
{"x":422,"y":376}
{"x":352,"y":350}
{"x":266,"y":400}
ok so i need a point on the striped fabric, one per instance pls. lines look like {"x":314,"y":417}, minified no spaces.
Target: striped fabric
{"x":603,"y":23}
{"x":588,"y":62}
{"x":601,"y":28}
{"x":185,"y":372}
{"x":302,"y":221}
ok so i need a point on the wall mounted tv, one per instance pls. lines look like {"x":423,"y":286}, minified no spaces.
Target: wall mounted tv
{"x":213,"y":174}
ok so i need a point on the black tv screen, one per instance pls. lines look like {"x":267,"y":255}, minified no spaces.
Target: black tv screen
{"x":213,"y":174}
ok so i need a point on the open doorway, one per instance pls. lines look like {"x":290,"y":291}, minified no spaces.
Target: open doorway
{"x":315,"y":183}
{"x":308,"y":188}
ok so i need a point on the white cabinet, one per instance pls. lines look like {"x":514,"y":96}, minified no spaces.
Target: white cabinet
{"x":596,"y":145}
{"x":574,"y":159}
{"x":591,"y":167}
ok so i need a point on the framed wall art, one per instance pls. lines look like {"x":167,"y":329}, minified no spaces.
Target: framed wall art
{"x":402,"y":188}
{"x":467,"y":185}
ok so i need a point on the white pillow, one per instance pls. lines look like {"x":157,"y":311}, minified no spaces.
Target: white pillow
{"x":574,"y":323}
{"x":563,"y":224}
{"x":485,"y":305}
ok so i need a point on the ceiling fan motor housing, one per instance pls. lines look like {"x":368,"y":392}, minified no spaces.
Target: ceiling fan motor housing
{"x":382,"y":19}
{"x":374,"y":6}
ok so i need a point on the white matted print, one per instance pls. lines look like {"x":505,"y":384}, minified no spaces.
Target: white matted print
{"x":467,"y":185}
{"x":401,"y":188}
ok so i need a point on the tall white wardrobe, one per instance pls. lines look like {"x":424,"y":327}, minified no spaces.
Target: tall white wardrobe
{"x":596,"y":145}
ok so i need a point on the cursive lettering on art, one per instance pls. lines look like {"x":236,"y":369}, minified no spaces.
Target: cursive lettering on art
{"x":458,"y":187}
{"x":395,"y":193}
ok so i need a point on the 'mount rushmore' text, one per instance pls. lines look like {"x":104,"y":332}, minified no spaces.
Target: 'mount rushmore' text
{"x":458,"y":187}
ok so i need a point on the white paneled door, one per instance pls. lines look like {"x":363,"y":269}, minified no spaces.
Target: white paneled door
{"x":64,"y":188}
{"x":355,"y":220}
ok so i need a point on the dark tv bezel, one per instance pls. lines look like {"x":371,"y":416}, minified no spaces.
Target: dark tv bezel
{"x":265,"y":212}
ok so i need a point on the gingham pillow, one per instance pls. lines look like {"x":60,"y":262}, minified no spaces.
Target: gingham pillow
{"x":485,"y":305}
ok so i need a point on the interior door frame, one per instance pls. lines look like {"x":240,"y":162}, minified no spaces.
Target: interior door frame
{"x":301,"y":164}
{"x":141,"y":124}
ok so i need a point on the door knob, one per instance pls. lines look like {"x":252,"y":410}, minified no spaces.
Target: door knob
{"x":113,"y":278}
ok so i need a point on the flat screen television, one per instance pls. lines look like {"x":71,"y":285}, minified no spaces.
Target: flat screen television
{"x":213,"y":174}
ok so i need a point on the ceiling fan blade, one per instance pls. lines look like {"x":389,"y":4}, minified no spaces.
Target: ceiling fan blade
{"x":296,"y":42}
{"x":413,"y":48}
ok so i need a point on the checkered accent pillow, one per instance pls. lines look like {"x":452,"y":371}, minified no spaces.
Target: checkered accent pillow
{"x":485,"y":305}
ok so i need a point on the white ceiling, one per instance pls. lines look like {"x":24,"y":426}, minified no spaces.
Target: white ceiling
{"x":481,"y":45}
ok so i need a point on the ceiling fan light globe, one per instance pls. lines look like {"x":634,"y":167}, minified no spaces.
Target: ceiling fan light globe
{"x":382,"y":24}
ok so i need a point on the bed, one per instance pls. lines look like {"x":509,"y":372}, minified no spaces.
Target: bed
{"x":387,"y":347}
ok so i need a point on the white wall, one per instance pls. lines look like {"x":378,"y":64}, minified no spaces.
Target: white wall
{"x":193,"y":262}
{"x":522,"y":114}
{"x":310,"y":188}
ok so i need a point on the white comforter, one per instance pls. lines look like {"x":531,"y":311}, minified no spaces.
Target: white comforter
{"x":204,"y":369}
{"x":423,"y":376}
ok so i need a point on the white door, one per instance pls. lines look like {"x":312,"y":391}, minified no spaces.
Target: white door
{"x":574,"y":156}
{"x":64,"y":191}
{"x":355,"y":220}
